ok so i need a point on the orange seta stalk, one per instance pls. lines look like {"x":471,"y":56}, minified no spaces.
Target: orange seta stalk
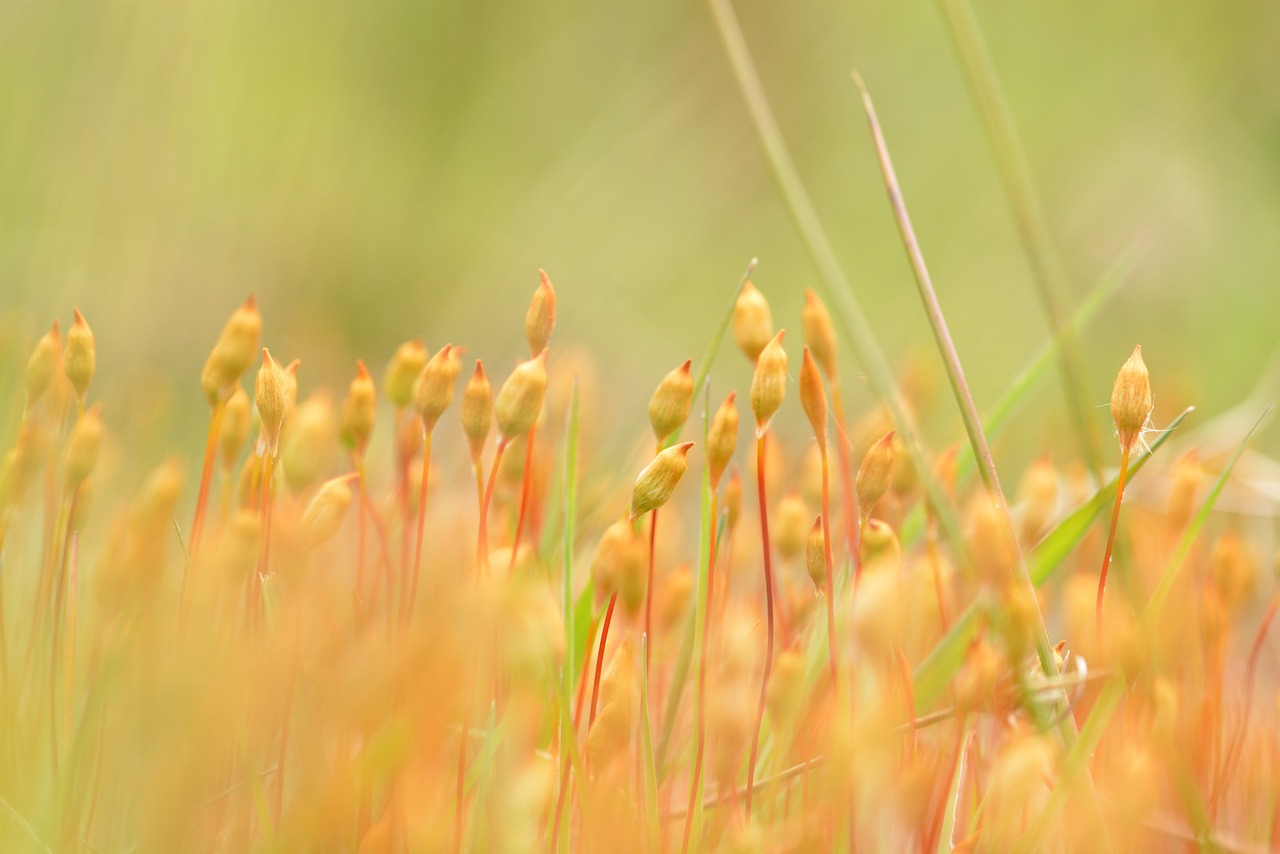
{"x":488,"y":501}
{"x":206,"y":477}
{"x":1111,"y":541}
{"x":604,"y":639}
{"x":406,"y":607}
{"x":526,"y":484}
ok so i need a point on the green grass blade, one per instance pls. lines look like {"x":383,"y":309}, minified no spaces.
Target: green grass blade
{"x":835,"y":285}
{"x":1053,"y":549}
{"x":998,"y":414}
{"x":1113,"y":693}
{"x":1033,"y":228}
{"x":943,"y":662}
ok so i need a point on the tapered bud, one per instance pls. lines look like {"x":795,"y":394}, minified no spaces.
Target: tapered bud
{"x":813,"y":397}
{"x":669,"y":407}
{"x":43,"y":363}
{"x":1189,"y":478}
{"x":1131,"y":400}
{"x":403,"y":371}
{"x":786,"y":687}
{"x":791,"y":526}
{"x":271,"y":397}
{"x":815,"y":555}
{"x":434,"y":391}
{"x":618,"y":546}
{"x":233,"y":432}
{"x":819,"y":334}
{"x":1038,"y":498}
{"x":310,"y":441}
{"x":234,"y":352}
{"x":880,"y":548}
{"x":21,"y":463}
{"x":752,"y":321}
{"x":520,"y":399}
{"x":875,"y":475}
{"x":477,"y":410}
{"x":359,"y":410}
{"x":722,"y":438}
{"x":80,"y":359}
{"x":769,"y":384}
{"x":83,"y":446}
{"x":323,"y":516}
{"x":540,"y":321}
{"x":658,"y":480}
{"x":1232,"y":570}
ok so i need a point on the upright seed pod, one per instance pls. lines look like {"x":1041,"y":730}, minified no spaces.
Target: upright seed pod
{"x":1131,"y":400}
{"x":813,"y":397}
{"x":308,"y":445}
{"x":610,"y":557}
{"x":1038,"y":498}
{"x":80,"y":359}
{"x":43,"y":364}
{"x":540,"y":320}
{"x":323,"y":516}
{"x":819,"y":334}
{"x":752,"y":321}
{"x":403,"y":371}
{"x":791,"y":526}
{"x":769,"y":383}
{"x":815,"y":555}
{"x":658,"y":480}
{"x":359,"y":410}
{"x":83,"y":447}
{"x":875,"y":475}
{"x":477,"y":411}
{"x":270,"y":396}
{"x":233,"y":432}
{"x":722,"y":439}
{"x":233,"y":353}
{"x":434,"y":391}
{"x":519,"y":400}
{"x":672,"y":399}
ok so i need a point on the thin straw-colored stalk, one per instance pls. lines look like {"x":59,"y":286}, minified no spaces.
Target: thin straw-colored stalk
{"x":768,"y":607}
{"x":831,"y":277}
{"x":973,"y":426}
{"x":955,"y":373}
{"x":829,"y":561}
{"x":1076,"y":762}
{"x":1033,"y":227}
{"x":1227,"y":771}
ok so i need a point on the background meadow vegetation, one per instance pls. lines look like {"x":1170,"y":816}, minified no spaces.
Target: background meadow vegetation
{"x":376,"y":174}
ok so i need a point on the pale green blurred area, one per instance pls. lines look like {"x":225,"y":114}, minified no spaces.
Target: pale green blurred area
{"x":385,"y":170}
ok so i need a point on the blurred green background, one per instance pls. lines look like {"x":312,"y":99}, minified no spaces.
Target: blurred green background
{"x":379,"y":171}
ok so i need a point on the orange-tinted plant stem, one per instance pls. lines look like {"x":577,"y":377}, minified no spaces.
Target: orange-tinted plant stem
{"x":1111,"y":541}
{"x":206,"y":477}
{"x":406,"y":607}
{"x":768,"y":606}
{"x":830,"y":562}
{"x":604,"y":639}
{"x":648,"y":589}
{"x":526,"y":484}
{"x":1237,"y":741}
{"x":488,"y":502}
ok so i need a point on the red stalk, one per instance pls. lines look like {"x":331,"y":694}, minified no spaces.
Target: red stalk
{"x":768,"y":594}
